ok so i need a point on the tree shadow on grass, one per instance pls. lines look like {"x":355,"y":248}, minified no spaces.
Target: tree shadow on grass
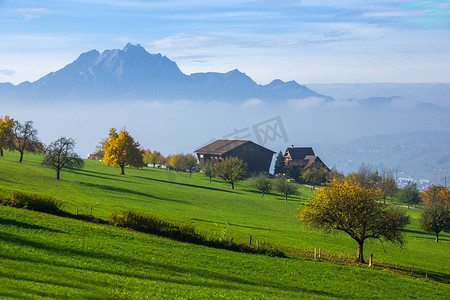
{"x":231,"y":224}
{"x":425,"y":235}
{"x":101,"y":175}
{"x":225,"y":281}
{"x":187,"y":184}
{"x":25,"y":225}
{"x":128,"y":191}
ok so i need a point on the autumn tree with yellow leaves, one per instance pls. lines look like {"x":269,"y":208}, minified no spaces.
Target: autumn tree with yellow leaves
{"x":436,"y":194}
{"x":347,"y":206}
{"x":121,"y":150}
{"x":6,"y":131}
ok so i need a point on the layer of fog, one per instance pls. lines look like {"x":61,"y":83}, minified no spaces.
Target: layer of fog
{"x":183,"y":126}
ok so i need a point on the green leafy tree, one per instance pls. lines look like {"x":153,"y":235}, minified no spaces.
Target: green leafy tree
{"x":122,"y":150}
{"x":334,"y":174}
{"x":285,"y":187}
{"x":60,"y":155}
{"x":262,"y":184}
{"x":231,"y":170}
{"x":295,"y":173}
{"x":207,"y":169}
{"x":355,"y":210}
{"x":409,"y":195}
{"x":315,"y":174}
{"x":188,"y":162}
{"x":279,"y":164}
{"x":435,"y":218}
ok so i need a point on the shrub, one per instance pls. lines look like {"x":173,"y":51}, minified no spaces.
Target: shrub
{"x":35,"y":202}
{"x":151,"y":224}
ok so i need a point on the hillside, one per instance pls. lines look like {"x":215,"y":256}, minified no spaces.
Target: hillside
{"x":422,"y":156}
{"x":44,"y":256}
{"x":49,"y":256}
{"x":213,"y":208}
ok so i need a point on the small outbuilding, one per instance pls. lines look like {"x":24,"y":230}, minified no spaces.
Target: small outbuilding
{"x":258,"y":158}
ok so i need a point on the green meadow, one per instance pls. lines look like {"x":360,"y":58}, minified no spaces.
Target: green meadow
{"x":50,"y":256}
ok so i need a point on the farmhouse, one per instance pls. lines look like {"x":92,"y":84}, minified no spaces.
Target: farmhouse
{"x":257,"y":157}
{"x":302,"y":157}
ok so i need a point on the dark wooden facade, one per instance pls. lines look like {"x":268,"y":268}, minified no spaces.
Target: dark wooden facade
{"x":302,"y":157}
{"x":258,"y":158}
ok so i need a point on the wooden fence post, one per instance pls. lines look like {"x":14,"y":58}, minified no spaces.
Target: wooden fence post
{"x":320,"y":252}
{"x":371,"y":260}
{"x":257,"y":244}
{"x":315,"y":253}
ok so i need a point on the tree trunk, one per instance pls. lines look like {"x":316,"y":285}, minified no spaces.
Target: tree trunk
{"x":21,"y":156}
{"x":210,"y":179}
{"x":437,"y":237}
{"x":1,"y":152}
{"x":122,"y":168}
{"x":359,"y":254}
{"x":190,"y":173}
{"x":232,"y":185}
{"x":262,"y":195}
{"x":57,"y":174}
{"x":285,"y":199}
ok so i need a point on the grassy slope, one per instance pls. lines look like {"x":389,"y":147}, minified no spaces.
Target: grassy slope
{"x":48,"y":256}
{"x":213,"y":208}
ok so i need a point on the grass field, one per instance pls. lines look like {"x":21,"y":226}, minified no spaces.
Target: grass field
{"x":48,"y":256}
{"x":214,"y":209}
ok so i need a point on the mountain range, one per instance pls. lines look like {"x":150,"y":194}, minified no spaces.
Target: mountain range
{"x":134,"y":74}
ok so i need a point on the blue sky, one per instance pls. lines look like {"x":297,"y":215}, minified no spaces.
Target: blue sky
{"x":307,"y":41}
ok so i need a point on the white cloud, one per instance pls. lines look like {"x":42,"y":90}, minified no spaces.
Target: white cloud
{"x":182,"y":41}
{"x":252,"y":103}
{"x":32,"y":13}
{"x":306,"y":103}
{"x":7,"y":72}
{"x":342,"y":104}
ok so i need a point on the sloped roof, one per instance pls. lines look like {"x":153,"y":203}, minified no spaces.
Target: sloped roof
{"x":300,"y":152}
{"x":311,"y":159}
{"x":220,"y":147}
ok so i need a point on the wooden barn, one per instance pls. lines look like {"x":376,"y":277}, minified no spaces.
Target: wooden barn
{"x":302,"y":157}
{"x":257,"y":157}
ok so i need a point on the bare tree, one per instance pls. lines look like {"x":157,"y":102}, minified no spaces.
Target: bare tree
{"x":25,"y":137}
{"x":61,"y":155}
{"x":387,"y":186}
{"x":366,"y":176}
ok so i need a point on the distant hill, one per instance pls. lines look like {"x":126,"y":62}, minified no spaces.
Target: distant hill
{"x":134,"y":74}
{"x":422,"y":156}
{"x":435,"y":93}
